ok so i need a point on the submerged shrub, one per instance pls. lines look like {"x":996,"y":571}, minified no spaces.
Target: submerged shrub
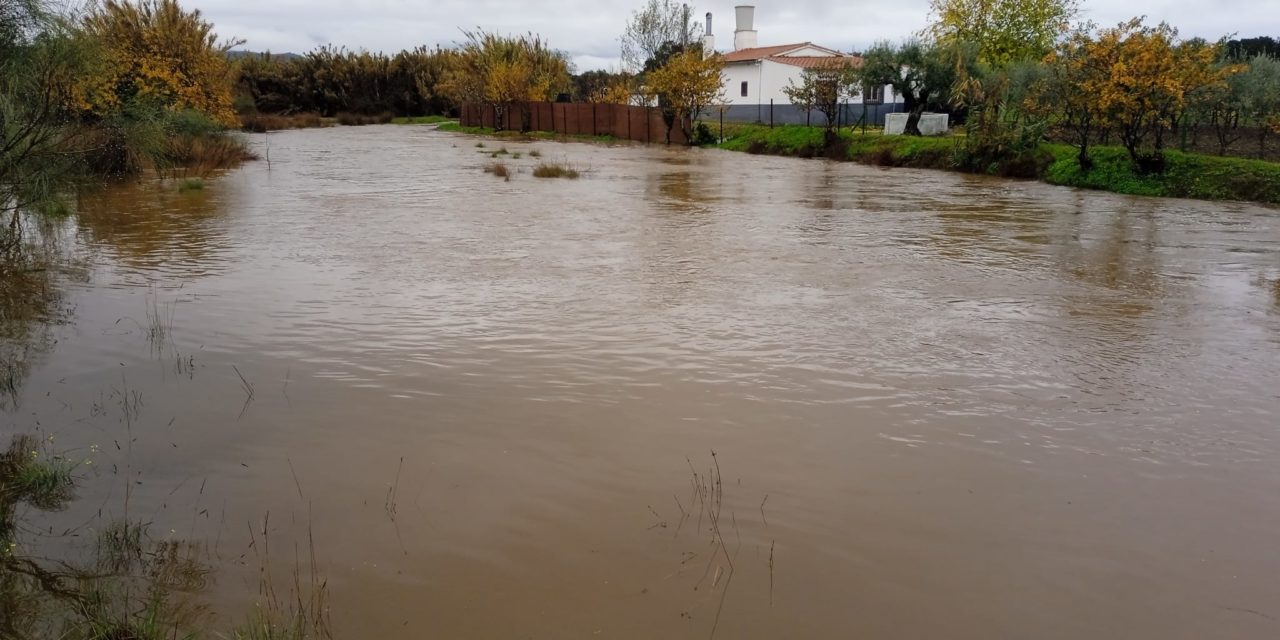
{"x":262,"y":123}
{"x":549,"y":170}
{"x":498,"y":169}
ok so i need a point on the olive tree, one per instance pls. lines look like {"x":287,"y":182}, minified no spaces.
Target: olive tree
{"x":922,"y":72}
{"x":824,"y":89}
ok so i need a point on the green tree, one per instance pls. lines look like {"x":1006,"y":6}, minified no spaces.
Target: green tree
{"x":1258,"y":87}
{"x":923,"y":73}
{"x":39,"y":61}
{"x":824,"y":89}
{"x":1005,"y":31}
{"x":1244,"y":49}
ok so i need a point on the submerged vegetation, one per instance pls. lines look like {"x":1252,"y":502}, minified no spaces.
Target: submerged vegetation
{"x":499,"y":170}
{"x":125,"y":583}
{"x":553,"y":170}
{"x":128,"y":88}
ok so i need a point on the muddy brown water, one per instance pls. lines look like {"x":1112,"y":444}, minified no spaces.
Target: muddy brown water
{"x":942,"y":406}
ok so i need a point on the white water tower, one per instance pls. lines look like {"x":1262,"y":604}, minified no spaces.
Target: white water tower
{"x":744,"y":34}
{"x":708,"y":40}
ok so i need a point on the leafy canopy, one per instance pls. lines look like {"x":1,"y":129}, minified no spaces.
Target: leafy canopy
{"x":1004,"y":31}
{"x":155,"y":51}
{"x":685,"y":86}
{"x":657,"y":23}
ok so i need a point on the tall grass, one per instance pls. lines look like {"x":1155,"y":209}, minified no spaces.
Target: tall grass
{"x":553,"y":170}
{"x":133,"y":586}
{"x":201,"y":155}
{"x":359,"y":120}
{"x":264,"y":122}
{"x":499,"y":170}
{"x":144,"y":138}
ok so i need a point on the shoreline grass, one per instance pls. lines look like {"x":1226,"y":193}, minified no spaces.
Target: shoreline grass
{"x":264,"y":122}
{"x":1189,"y":175}
{"x":361,"y":119}
{"x":553,"y":170}
{"x":499,"y":170}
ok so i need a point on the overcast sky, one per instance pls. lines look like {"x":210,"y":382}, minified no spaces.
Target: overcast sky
{"x":588,"y":29}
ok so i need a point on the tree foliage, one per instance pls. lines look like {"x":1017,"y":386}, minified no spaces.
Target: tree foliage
{"x":922,"y":72}
{"x":1244,"y":49}
{"x":824,"y":89}
{"x":685,"y":87}
{"x":331,"y":80}
{"x":156,"y":51}
{"x":1072,"y":76}
{"x":40,"y":60}
{"x":657,"y":23}
{"x":1004,"y":31}
{"x":505,"y":70}
{"x":1146,"y":79}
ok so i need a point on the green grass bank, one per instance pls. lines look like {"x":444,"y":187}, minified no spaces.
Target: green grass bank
{"x":1188,"y":175}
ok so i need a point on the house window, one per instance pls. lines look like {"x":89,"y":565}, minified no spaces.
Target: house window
{"x":873,"y":95}
{"x":744,"y":88}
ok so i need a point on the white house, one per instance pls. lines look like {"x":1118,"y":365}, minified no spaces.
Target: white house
{"x":755,"y":76}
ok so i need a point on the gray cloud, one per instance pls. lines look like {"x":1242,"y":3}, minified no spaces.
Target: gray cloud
{"x":588,"y":30}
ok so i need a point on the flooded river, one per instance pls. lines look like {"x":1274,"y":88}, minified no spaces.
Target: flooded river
{"x":940,"y":406}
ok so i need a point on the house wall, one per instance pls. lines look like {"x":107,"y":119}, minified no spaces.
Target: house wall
{"x":779,"y":114}
{"x":765,"y":82}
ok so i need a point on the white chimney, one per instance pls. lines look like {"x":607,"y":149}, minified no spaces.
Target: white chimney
{"x":708,"y":40}
{"x":744,"y":36}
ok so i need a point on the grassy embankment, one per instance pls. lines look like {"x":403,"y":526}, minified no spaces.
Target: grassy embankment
{"x":1188,"y":175}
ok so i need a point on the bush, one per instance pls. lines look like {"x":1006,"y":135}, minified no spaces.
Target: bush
{"x":262,"y":123}
{"x":359,"y":120}
{"x":549,"y":170}
{"x":498,"y":169}
{"x":703,"y":136}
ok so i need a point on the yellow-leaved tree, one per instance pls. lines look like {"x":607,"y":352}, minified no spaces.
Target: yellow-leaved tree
{"x":1146,"y":79}
{"x":157,"y":52}
{"x":686,"y":85}
{"x":1005,"y":31}
{"x":504,"y":71}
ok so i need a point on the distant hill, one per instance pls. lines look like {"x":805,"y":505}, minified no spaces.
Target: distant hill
{"x":282,"y":57}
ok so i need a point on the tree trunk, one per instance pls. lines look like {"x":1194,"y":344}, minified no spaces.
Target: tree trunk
{"x":913,"y":120}
{"x":915,"y":107}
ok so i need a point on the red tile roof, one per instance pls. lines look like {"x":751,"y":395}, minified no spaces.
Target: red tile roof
{"x":759,"y":53}
{"x":817,"y":62}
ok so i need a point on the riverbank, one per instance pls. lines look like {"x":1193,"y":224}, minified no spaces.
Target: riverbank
{"x":1188,"y":175}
